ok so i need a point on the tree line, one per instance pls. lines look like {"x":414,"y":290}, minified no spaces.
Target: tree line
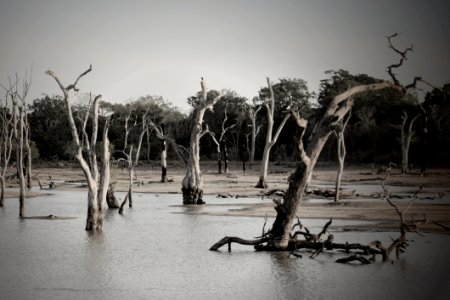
{"x":372,"y":134}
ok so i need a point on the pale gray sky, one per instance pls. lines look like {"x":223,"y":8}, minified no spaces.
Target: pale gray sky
{"x":164,"y":47}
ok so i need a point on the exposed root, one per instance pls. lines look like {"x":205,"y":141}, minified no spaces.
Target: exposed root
{"x":232,"y":239}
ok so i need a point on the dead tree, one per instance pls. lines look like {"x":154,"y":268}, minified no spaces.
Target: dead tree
{"x":127,"y":130}
{"x":341,"y":152}
{"x":221,"y":147}
{"x":270,"y":138}
{"x":406,"y":134}
{"x":163,"y":160}
{"x":19,"y":111}
{"x":399,"y":244}
{"x":165,"y":142}
{"x":132,"y":163}
{"x":6,"y":137}
{"x":160,"y":134}
{"x":279,"y":238}
{"x":192,"y":184}
{"x":29,"y":154}
{"x":144,"y":130}
{"x":279,"y":235}
{"x":253,"y":113}
{"x":96,"y":187}
{"x":129,"y":195}
{"x":106,"y":190}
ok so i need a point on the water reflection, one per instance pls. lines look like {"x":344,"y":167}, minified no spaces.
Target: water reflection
{"x":159,"y":249}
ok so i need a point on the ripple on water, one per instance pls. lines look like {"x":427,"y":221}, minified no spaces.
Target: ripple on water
{"x":150,"y":252}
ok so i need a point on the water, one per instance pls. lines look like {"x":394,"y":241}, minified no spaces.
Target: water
{"x":159,"y":250}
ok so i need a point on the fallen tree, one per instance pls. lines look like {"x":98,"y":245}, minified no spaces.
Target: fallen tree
{"x":363,"y":253}
{"x":280,"y":236}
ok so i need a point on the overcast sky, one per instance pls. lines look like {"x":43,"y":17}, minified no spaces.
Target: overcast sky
{"x":162,"y":48}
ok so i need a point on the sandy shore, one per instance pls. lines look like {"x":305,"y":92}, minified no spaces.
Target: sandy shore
{"x":361,"y":186}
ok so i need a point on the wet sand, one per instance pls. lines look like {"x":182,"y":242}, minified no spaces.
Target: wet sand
{"x":361,"y":186}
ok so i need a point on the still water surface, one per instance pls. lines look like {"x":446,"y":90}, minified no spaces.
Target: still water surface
{"x":159,"y":250}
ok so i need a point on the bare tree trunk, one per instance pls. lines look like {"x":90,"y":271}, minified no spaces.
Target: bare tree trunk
{"x":406,"y":135}
{"x":339,"y":177}
{"x":148,"y":145}
{"x":141,"y":137}
{"x":28,"y":166}
{"x":18,"y":137}
{"x":163,"y":161}
{"x":225,"y":154}
{"x":192,"y":184}
{"x":105,"y":169}
{"x":127,"y":131}
{"x":29,"y":156}
{"x":19,"y":111}
{"x":221,"y":147}
{"x":132,"y":164}
{"x":253,"y":114}
{"x":218,"y":148}
{"x":219,"y":159}
{"x":341,"y":153}
{"x":165,"y":141}
{"x":94,"y":220}
{"x":270,"y":140}
{"x":130,"y":177}
{"x":6,"y":136}
{"x":298,"y":181}
{"x":263,"y":169}
{"x":2,"y":191}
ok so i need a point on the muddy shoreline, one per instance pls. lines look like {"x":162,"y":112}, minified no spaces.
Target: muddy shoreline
{"x":361,"y":187}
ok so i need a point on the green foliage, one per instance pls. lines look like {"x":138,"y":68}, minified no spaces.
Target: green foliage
{"x":49,"y":127}
{"x":338,"y":82}
{"x":371,"y":136}
{"x":290,"y":93}
{"x":433,"y":132}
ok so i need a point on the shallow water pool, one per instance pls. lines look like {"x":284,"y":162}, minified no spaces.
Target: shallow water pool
{"x":159,"y":250}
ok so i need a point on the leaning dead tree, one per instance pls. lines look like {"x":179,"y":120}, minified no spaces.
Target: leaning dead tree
{"x":341,"y":152}
{"x":221,"y":147}
{"x":271,"y":138}
{"x":406,"y":133}
{"x":279,"y":236}
{"x":323,"y":241}
{"x":192,"y":184}
{"x":96,"y":179}
{"x":129,"y":196}
{"x":6,"y":137}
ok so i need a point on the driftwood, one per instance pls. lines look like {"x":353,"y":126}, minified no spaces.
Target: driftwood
{"x":355,"y":257}
{"x":49,"y":217}
{"x":51,"y":184}
{"x":365,"y":254}
{"x":331,"y":193}
{"x":294,"y":244}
